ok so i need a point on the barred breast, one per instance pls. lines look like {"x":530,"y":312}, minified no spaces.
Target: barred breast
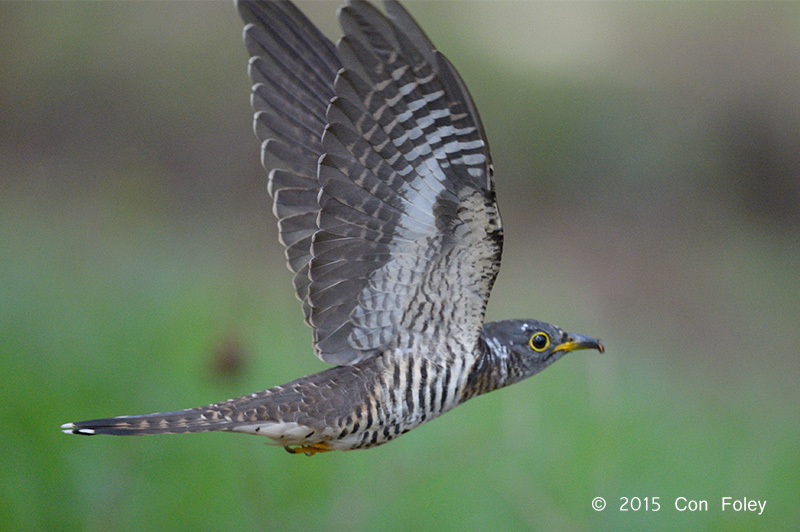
{"x":386,"y":396}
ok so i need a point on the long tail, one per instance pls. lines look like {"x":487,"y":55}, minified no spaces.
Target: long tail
{"x":202,"y":419}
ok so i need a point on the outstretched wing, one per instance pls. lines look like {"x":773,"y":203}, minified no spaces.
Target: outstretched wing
{"x":406,"y":238}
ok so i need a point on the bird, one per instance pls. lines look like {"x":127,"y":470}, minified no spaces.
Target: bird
{"x":383,"y":188}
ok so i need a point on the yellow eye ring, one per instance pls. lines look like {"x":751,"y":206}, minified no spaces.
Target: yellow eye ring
{"x":539,"y":342}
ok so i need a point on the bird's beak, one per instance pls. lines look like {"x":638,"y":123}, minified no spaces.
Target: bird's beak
{"x":577,"y":341}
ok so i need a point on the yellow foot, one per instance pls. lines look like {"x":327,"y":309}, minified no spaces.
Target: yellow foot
{"x":309,"y":450}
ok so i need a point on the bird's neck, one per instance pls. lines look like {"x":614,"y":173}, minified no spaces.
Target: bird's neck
{"x":494,"y":368}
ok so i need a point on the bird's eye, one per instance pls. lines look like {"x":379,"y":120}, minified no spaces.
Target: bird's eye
{"x":539,"y":341}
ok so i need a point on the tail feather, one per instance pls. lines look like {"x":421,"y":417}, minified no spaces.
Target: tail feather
{"x":180,"y":421}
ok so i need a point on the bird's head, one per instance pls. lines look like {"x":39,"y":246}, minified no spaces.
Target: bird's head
{"x":532,"y":345}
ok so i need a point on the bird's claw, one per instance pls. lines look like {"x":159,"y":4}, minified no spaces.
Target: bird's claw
{"x":309,"y":450}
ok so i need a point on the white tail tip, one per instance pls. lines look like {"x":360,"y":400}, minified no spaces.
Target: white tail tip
{"x":69,"y":428}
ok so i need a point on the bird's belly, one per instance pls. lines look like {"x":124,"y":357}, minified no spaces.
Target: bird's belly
{"x":354,"y":436}
{"x":391,"y":399}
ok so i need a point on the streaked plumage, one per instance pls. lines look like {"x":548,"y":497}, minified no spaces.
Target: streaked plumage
{"x":382,"y":185}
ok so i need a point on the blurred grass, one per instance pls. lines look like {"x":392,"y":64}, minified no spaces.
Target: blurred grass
{"x":135,"y":238}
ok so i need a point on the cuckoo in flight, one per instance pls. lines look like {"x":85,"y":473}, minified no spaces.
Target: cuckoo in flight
{"x":382,"y":185}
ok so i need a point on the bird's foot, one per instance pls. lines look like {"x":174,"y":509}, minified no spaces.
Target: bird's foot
{"x":310,"y":449}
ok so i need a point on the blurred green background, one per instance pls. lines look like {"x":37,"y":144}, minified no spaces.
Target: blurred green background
{"x":648,"y":171}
